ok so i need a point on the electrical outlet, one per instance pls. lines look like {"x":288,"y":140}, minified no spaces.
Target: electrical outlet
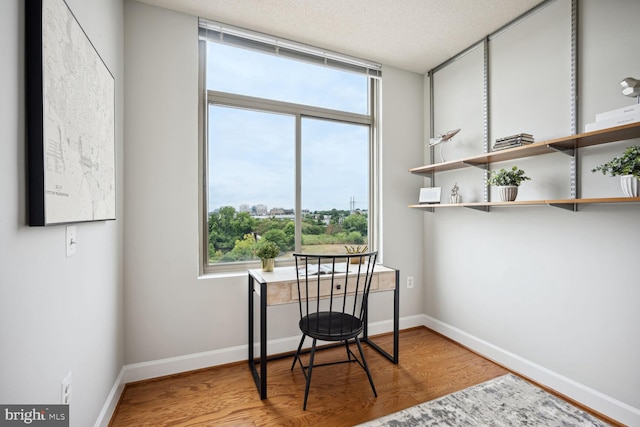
{"x":66,"y":390}
{"x":409,"y":282}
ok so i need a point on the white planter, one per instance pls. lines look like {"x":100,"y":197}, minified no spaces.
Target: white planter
{"x":629,"y":185}
{"x":508,"y":193}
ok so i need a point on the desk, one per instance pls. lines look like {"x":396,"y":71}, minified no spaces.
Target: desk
{"x":280,"y":287}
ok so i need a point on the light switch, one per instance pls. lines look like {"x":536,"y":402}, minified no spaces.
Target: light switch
{"x":71,"y":241}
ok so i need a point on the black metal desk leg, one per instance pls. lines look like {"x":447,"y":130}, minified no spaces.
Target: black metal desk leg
{"x":263,"y":340}
{"x":260,"y":380}
{"x":250,"y":308}
{"x":396,"y":326}
{"x":396,"y":319}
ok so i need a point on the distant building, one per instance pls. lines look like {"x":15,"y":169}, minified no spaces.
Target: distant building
{"x":244,"y":208}
{"x":260,"y":209}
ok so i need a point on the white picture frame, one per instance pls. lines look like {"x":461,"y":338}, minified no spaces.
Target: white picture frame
{"x":430,"y":195}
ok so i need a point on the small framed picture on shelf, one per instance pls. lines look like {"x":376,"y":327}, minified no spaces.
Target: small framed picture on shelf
{"x":430,"y":195}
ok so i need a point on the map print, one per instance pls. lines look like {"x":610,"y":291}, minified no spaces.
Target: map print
{"x":79,"y":114}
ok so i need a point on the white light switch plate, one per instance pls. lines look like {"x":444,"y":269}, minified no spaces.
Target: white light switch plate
{"x":71,"y":241}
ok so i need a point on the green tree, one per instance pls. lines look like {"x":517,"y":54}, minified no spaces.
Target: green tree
{"x":355,"y":238}
{"x":279,"y":237}
{"x":227,"y":225}
{"x":356,"y":222}
{"x":244,"y":249}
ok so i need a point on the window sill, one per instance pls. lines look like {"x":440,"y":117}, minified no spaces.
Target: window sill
{"x":223,"y":275}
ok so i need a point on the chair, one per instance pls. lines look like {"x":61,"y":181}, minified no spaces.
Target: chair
{"x":333,"y":291}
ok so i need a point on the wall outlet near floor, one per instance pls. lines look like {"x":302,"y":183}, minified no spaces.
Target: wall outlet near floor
{"x":66,"y":390}
{"x":409,"y":282}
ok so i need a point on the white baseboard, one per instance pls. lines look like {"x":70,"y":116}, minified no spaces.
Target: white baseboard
{"x":589,"y":397}
{"x":112,"y":401}
{"x":572,"y":389}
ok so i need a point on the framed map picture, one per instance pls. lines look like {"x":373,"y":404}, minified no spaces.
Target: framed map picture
{"x":70,"y":120}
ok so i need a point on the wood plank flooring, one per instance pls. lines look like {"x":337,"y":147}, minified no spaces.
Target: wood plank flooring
{"x":430,"y":366}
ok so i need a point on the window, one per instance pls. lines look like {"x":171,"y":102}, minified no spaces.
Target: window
{"x":289,"y":149}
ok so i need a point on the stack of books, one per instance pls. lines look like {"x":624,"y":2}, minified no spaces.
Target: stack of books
{"x":619,"y":117}
{"x":512,"y":141}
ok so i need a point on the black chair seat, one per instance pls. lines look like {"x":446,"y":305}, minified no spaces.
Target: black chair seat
{"x":331,"y":326}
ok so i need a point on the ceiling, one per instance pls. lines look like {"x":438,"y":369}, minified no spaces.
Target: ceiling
{"x":413,"y":35}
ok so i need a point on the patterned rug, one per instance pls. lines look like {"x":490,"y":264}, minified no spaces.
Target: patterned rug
{"x":503,"y":401}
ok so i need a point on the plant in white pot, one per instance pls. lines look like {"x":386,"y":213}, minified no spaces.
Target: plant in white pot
{"x":507,"y":182}
{"x":267,"y":251}
{"x":627,"y":167}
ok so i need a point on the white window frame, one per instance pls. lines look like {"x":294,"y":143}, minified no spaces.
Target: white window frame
{"x":299,"y":111}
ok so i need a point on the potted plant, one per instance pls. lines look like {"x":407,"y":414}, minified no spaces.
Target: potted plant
{"x":267,"y":251}
{"x":508,"y":182}
{"x":627,"y":167}
{"x":356,"y":250}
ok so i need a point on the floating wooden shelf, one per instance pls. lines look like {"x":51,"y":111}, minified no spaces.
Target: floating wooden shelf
{"x":561,"y":203}
{"x":567,"y":144}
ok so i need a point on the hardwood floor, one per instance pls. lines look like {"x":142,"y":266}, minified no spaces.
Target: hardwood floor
{"x":430,"y":366}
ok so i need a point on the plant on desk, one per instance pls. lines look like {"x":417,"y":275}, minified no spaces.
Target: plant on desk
{"x":267,"y":251}
{"x":356,"y":250}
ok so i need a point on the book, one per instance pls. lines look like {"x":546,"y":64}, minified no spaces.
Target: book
{"x":512,"y":141}
{"x":324,"y":269}
{"x":616,"y":121}
{"x":619,"y":112}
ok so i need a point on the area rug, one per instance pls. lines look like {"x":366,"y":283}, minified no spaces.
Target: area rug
{"x":504,"y":401}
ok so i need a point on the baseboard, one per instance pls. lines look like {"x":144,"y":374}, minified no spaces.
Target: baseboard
{"x":110,"y":405}
{"x":589,"y":397}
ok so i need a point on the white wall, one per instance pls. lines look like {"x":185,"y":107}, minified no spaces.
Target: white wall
{"x":58,"y":314}
{"x":169,"y":311}
{"x":548,"y":292}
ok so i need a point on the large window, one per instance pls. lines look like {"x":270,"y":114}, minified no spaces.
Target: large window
{"x":290,"y":152}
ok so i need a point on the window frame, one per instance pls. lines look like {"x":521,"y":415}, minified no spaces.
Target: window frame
{"x":298,"y":111}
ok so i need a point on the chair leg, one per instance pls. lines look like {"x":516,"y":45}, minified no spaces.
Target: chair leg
{"x":310,"y":368}
{"x":366,"y":367}
{"x":297,"y":355}
{"x":346,"y":344}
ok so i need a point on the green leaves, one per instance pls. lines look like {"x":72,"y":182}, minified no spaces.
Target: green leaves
{"x":504,"y":177}
{"x":628,"y":164}
{"x":267,"y":249}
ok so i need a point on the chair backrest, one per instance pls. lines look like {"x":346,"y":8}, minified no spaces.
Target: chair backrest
{"x":334,"y":284}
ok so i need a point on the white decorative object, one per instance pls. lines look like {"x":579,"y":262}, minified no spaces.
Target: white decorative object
{"x":455,"y":197}
{"x":440,"y":139}
{"x":430,"y":195}
{"x":629,"y":185}
{"x":508,"y":193}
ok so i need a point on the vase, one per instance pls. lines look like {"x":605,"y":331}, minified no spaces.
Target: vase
{"x":508,"y":193}
{"x":268,"y":264}
{"x":629,"y":185}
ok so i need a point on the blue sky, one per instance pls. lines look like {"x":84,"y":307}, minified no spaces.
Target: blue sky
{"x":254,"y":163}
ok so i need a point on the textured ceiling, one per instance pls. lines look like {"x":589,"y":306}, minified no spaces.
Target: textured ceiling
{"x":413,"y":35}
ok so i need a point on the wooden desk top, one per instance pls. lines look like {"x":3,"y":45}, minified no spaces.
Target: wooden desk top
{"x":282,"y":285}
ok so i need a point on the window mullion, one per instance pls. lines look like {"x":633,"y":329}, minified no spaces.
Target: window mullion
{"x":298,"y":184}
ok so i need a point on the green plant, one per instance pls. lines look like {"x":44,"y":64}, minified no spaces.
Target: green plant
{"x":504,"y":177}
{"x":356,"y":249}
{"x":267,"y":249}
{"x":628,"y":164}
